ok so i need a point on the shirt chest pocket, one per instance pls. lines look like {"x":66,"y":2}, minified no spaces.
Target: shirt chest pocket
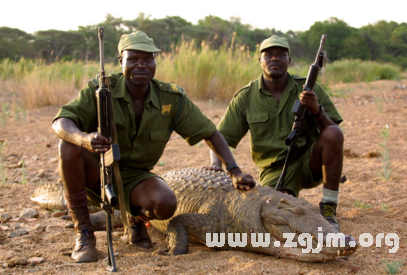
{"x":155,"y":148}
{"x":120,"y":127}
{"x":261,"y":126}
{"x":161,"y":135}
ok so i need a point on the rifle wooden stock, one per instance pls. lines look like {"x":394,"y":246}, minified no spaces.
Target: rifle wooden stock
{"x":112,"y":156}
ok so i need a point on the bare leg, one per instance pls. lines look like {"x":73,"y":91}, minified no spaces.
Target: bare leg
{"x":78,"y":169}
{"x":155,"y":198}
{"x":326,"y":159}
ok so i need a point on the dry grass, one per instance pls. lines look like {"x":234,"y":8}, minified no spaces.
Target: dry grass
{"x":204,"y":74}
{"x":33,"y":84}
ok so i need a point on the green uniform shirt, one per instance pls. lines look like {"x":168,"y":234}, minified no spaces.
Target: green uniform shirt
{"x":141,"y":148}
{"x":254,"y":108}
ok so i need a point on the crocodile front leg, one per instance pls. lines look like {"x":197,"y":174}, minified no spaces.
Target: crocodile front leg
{"x":182,"y":226}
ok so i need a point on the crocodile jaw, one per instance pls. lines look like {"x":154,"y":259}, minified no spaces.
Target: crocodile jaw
{"x":286,"y":214}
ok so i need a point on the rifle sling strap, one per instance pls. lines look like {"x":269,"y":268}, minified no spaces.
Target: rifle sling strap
{"x":119,"y":183}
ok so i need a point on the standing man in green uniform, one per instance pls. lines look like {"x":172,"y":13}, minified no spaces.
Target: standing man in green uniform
{"x":146,"y":111}
{"x":264,"y":107}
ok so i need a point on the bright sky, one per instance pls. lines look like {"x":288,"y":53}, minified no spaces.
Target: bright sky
{"x":296,"y":15}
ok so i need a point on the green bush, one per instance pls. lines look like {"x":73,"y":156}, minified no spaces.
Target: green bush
{"x":355,"y":70}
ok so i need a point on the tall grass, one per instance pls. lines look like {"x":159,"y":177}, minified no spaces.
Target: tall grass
{"x":208,"y":73}
{"x":204,"y":73}
{"x":212,"y":74}
{"x":36,"y":84}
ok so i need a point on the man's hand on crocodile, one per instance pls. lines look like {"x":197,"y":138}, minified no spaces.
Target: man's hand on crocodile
{"x":241,"y":181}
{"x":213,"y":167}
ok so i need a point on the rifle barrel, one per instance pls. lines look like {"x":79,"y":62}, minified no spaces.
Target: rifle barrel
{"x":101,"y":34}
{"x":321,"y":46}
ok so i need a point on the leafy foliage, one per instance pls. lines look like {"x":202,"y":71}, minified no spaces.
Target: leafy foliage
{"x":354,"y":70}
{"x":14,"y":43}
{"x":382,"y":41}
{"x":362,"y":205}
{"x":393,"y":267}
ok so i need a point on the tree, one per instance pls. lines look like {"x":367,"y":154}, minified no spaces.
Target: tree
{"x":343,"y":41}
{"x":15,"y":43}
{"x":374,"y":40}
{"x":220,"y":30}
{"x":53,"y":44}
{"x":89,"y":49}
{"x":398,"y":45}
{"x":387,"y":41}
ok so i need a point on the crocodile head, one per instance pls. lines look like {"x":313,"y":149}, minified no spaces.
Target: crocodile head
{"x":282,"y":213}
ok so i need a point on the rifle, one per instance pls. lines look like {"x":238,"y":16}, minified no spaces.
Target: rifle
{"x":301,"y":113}
{"x":108,"y":159}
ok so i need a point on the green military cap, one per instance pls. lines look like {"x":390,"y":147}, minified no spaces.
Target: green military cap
{"x":137,"y":41}
{"x":274,"y":41}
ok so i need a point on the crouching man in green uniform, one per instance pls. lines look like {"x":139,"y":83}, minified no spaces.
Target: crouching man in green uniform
{"x":264,"y":107}
{"x":146,"y":111}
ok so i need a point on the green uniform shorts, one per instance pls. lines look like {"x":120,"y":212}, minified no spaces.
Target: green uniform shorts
{"x":298,"y":175}
{"x":130,"y":178}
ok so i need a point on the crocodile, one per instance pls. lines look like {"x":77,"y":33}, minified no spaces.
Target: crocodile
{"x":51,"y":196}
{"x":209,"y":203}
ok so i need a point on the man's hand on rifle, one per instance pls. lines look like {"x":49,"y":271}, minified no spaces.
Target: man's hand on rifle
{"x":310,"y":100}
{"x":96,"y":143}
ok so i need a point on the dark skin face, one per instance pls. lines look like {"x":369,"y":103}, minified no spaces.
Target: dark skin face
{"x":138,"y":69}
{"x":274,"y":62}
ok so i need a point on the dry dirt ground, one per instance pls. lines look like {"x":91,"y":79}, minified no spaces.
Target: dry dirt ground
{"x":367,"y":203}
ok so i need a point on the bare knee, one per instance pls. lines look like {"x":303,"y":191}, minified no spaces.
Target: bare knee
{"x":68,"y":151}
{"x":332,"y":137}
{"x":156,"y":198}
{"x":163,"y":205}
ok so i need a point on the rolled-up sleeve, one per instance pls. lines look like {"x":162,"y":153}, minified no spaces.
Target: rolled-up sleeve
{"x":233,"y":125}
{"x":192,"y":124}
{"x":82,"y":110}
{"x":328,"y":105}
